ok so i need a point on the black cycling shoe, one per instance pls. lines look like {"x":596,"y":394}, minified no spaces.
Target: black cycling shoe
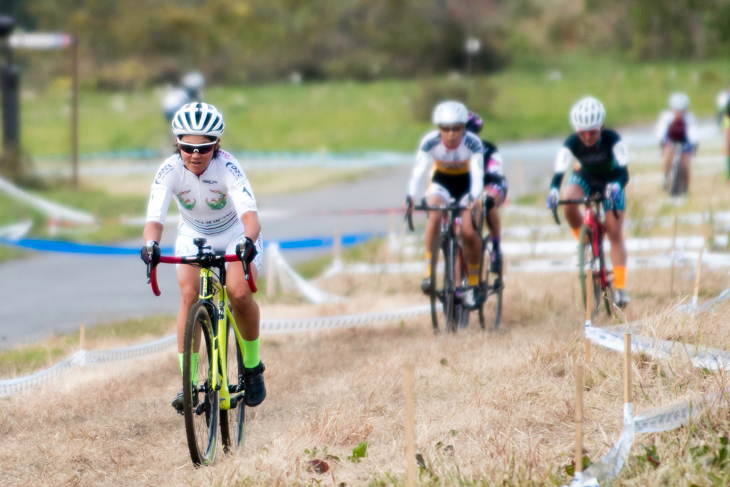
{"x":255,"y":391}
{"x":496,"y":265}
{"x":426,"y":285}
{"x":177,"y":403}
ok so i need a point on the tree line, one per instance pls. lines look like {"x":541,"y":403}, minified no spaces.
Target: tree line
{"x":140,"y":42}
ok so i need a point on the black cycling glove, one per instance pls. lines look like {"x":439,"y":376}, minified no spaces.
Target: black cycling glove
{"x":246,"y":252}
{"x":156,"y":252}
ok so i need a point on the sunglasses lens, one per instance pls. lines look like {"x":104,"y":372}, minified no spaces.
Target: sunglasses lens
{"x":190,"y":149}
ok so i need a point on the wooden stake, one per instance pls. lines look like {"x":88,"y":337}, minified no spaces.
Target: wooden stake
{"x":578,"y":420}
{"x":271,"y":271}
{"x":697,"y":278}
{"x":336,"y":247}
{"x":82,"y":337}
{"x":589,"y":298}
{"x":627,"y":367}
{"x":674,"y":248}
{"x":410,"y":426}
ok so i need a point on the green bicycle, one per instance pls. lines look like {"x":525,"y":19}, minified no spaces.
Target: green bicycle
{"x":213,"y":385}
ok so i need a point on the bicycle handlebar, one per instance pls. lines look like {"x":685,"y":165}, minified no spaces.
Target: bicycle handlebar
{"x":196,"y":259}
{"x":594,"y":198}
{"x":425,"y":207}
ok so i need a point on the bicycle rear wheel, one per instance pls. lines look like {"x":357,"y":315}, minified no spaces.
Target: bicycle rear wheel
{"x":490,"y":307}
{"x":461,"y":278}
{"x":233,"y":426}
{"x":200,"y":399}
{"x":586,"y":261}
{"x":442,"y":284}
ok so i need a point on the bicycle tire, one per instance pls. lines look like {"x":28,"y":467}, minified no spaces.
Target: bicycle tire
{"x":461,"y":312}
{"x":585,"y":243}
{"x":233,"y":420}
{"x":497,"y":288}
{"x":675,"y":175}
{"x":201,"y":417}
{"x":606,"y":292}
{"x":442,"y":284}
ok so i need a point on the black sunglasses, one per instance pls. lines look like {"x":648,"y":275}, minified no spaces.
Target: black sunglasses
{"x":199,"y":148}
{"x":452,"y":128}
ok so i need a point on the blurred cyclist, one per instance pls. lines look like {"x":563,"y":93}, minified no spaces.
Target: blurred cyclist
{"x":495,"y":189}
{"x":601,"y":167}
{"x":216,"y":202}
{"x":677,"y":125}
{"x":458,"y":171}
{"x":189,"y":91}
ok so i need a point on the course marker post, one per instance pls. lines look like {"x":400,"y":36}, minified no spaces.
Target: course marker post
{"x":410,"y":426}
{"x":578,"y":421}
{"x":627,"y":368}
{"x":336,"y":248}
{"x":82,"y":336}
{"x":696,"y":293}
{"x":589,"y":311}
{"x":272,"y":271}
{"x":674,"y":249}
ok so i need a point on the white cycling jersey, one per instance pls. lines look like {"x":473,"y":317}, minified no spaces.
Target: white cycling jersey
{"x":467,"y":158}
{"x":210,"y":203}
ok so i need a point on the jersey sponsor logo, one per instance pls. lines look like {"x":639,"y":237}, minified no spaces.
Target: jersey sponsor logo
{"x":246,"y":191}
{"x":234,"y":170}
{"x":474,"y":144}
{"x":431,"y":143}
{"x":209,"y":181}
{"x":225,"y":154}
{"x":217,"y":203}
{"x":186,"y":203}
{"x":163,"y":172}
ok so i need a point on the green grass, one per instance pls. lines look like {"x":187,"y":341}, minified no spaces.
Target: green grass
{"x":25,"y":359}
{"x":347,"y":115}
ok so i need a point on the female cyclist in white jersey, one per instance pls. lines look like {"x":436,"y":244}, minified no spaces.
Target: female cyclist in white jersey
{"x":216,"y":202}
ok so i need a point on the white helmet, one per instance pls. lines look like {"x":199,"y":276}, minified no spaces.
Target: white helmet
{"x":449,"y":112}
{"x":194,"y":80}
{"x":198,"y":119}
{"x":679,"y":101}
{"x":587,"y":114}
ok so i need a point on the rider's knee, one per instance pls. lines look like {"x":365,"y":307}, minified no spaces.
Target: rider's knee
{"x":239,"y":296}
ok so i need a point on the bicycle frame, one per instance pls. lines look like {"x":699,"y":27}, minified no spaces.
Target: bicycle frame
{"x":591,"y":219}
{"x":214,"y":294}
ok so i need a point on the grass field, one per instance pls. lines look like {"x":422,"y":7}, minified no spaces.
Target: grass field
{"x":524,"y":102}
{"x":491,"y":409}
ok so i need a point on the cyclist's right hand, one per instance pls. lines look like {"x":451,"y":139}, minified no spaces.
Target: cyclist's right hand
{"x":151,"y":252}
{"x":409,"y":204}
{"x":553,"y":198}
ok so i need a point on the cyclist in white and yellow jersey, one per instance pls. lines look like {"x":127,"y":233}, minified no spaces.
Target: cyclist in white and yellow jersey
{"x":216,"y":202}
{"x":457,"y":161}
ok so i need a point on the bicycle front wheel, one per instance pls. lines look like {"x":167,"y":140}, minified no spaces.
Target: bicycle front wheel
{"x":200,"y":399}
{"x":442,"y":284}
{"x":675,"y":175}
{"x":586,"y":261}
{"x":233,"y":426}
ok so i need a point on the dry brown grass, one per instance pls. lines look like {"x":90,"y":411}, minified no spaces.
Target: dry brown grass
{"x":491,"y":408}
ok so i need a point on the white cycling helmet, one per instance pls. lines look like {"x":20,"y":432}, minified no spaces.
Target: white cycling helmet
{"x":587,"y":114}
{"x":450,"y":112}
{"x":198,"y":119}
{"x":679,"y":101}
{"x":194,"y":80}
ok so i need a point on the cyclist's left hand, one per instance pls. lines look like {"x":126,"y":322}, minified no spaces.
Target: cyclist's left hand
{"x":246,"y":250}
{"x":154,"y":256}
{"x":613,"y":192}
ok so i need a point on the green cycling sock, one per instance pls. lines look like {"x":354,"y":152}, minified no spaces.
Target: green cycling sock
{"x":180,"y":359}
{"x":251,"y":353}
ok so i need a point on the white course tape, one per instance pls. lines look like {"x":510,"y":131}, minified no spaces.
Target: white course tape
{"x":45,"y":206}
{"x":16,"y":231}
{"x":82,"y":358}
{"x":311,"y":293}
